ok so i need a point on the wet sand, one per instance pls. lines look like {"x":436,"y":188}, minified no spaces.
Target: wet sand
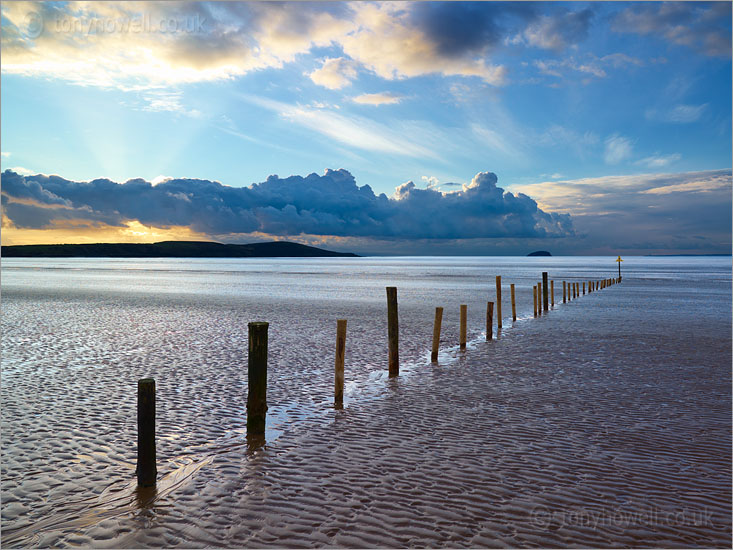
{"x":524,"y":441}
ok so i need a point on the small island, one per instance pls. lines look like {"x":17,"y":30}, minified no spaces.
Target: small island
{"x":171,"y":249}
{"x":539,"y":253}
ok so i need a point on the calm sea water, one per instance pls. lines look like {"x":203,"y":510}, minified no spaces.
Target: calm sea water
{"x":557,"y":432}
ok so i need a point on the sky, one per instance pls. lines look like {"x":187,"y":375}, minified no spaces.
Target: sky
{"x":479,"y":128}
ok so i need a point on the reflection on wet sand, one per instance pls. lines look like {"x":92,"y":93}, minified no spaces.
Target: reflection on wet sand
{"x":600,"y":424}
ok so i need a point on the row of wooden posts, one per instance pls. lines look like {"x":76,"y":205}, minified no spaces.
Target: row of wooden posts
{"x":257,"y":363}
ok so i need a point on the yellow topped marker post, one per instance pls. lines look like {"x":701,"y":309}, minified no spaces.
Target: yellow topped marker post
{"x":619,"y":260}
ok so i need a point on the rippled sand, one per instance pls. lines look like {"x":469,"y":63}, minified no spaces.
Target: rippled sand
{"x":603,"y":423}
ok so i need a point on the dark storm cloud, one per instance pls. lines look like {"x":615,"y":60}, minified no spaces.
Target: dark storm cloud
{"x":458,"y":27}
{"x":331,"y":204}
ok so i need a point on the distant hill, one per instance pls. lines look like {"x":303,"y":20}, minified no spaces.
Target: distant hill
{"x":539,"y":253}
{"x":170,"y":249}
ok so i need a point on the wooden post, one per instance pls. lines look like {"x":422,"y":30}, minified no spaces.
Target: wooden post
{"x":464,"y":310}
{"x":539,"y":298}
{"x":436,"y":333}
{"x":146,"y":470}
{"x":393,"y":331}
{"x":552,"y":292}
{"x":574,"y":291}
{"x":563,"y":292}
{"x":338,"y":395}
{"x":583,"y":288}
{"x":545,"y":290}
{"x":534,"y":297}
{"x":489,"y":320}
{"x":498,"y":301}
{"x":514,"y":303}
{"x":257,"y":378}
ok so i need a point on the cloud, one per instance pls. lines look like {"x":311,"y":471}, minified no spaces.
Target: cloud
{"x":659,"y":161}
{"x":354,"y":131}
{"x":389,"y":43}
{"x":5,"y":154}
{"x":331,"y":204}
{"x":683,"y":212}
{"x":381,"y":98}
{"x":589,"y":65}
{"x":618,"y":148}
{"x":557,"y":136}
{"x":679,"y":114}
{"x":165,"y":101}
{"x":557,"y":32}
{"x":22,"y":170}
{"x":149,"y":45}
{"x":704,"y":27}
{"x":153,"y":45}
{"x":335,"y":73}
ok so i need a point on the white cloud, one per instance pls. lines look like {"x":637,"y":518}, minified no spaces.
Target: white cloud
{"x":556,"y":32}
{"x":163,"y":101}
{"x":381,"y":98}
{"x":618,"y":148}
{"x":387,"y":43}
{"x":686,"y":113}
{"x":683,"y":212}
{"x":160,"y":179}
{"x":431,"y":182}
{"x":354,"y":131}
{"x":590,"y":64}
{"x":6,"y":154}
{"x":659,"y":161}
{"x":494,"y":140}
{"x":150,"y":45}
{"x":23,"y":171}
{"x":679,"y":114}
{"x":154,"y":45}
{"x":335,"y":73}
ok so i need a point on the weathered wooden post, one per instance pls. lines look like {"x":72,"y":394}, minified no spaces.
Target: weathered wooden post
{"x":338,"y":395}
{"x":257,"y":378}
{"x":534,"y":299}
{"x":393,"y":331}
{"x":539,"y":298}
{"x":563,"y":292}
{"x":436,"y":333}
{"x":498,"y":301}
{"x":552,"y":292}
{"x":514,"y":303}
{"x":489,"y":320}
{"x":583,"y":288}
{"x":464,"y":311}
{"x":146,"y":469}
{"x":545,"y":297}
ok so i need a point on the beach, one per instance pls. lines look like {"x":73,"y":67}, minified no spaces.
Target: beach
{"x":605,"y":422}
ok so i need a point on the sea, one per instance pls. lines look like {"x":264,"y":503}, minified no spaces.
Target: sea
{"x":603,"y":422}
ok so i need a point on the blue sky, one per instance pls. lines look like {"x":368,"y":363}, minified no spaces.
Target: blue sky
{"x":629,"y":100}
